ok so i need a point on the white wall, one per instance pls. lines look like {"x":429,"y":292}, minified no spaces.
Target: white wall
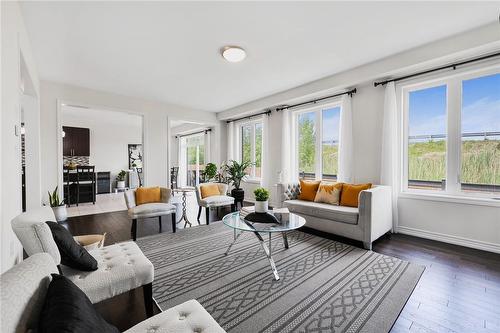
{"x":110,"y":134}
{"x":155,"y":126}
{"x":466,"y":224}
{"x":14,"y":43}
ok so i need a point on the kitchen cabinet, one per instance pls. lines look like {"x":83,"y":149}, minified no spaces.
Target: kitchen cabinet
{"x":76,"y":141}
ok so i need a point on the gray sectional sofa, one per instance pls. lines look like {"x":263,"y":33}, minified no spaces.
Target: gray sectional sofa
{"x":366,"y":223}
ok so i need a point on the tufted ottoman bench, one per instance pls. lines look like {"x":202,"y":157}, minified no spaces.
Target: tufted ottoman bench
{"x":187,"y":317}
{"x":121,"y":267}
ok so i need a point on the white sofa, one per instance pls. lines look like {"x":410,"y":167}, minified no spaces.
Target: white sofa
{"x":24,"y":288}
{"x":366,"y":223}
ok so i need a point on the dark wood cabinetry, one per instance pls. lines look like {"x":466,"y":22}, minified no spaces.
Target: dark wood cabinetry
{"x":76,"y":141}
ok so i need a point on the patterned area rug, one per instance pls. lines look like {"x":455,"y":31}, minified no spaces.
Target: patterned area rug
{"x":324,"y":286}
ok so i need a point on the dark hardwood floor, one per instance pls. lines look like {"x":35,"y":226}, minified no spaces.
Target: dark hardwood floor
{"x":458,"y":292}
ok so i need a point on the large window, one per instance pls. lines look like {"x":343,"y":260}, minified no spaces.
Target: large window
{"x":453,"y":134}
{"x":427,"y":138}
{"x":251,"y":147}
{"x":317,"y":142}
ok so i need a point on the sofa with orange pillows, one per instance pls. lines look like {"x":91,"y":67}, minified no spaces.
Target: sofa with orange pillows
{"x":358,"y":211}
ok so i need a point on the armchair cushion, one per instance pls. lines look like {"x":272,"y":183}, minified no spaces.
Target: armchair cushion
{"x":208,"y":190}
{"x":72,"y":253}
{"x":122,"y":267}
{"x":151,"y":210}
{"x":217,"y":200}
{"x":144,"y":195}
{"x":189,"y":316}
{"x":68,"y":309}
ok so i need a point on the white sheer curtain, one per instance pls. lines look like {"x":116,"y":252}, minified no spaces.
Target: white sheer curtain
{"x":181,"y":162}
{"x":231,"y":144}
{"x":289,"y":171}
{"x":389,"y":160}
{"x":265,"y":180}
{"x":207,"y":139}
{"x":345,"y":173}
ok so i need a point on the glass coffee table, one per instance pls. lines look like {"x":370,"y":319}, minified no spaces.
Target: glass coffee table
{"x":288,"y":222}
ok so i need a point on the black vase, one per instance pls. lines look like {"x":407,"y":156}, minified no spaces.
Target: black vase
{"x":238,"y":194}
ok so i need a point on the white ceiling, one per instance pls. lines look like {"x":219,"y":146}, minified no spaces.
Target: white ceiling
{"x":169,"y":51}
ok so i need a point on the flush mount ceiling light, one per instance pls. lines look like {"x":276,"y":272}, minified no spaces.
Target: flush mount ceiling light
{"x":233,"y":53}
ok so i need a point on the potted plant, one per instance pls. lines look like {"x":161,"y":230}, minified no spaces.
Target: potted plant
{"x":58,"y":206}
{"x":261,"y":200}
{"x":236,"y":172}
{"x":120,"y":179}
{"x":210,"y":172}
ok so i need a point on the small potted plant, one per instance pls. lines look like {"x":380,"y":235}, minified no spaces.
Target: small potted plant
{"x":236,"y":172}
{"x":261,"y":200}
{"x":120,"y":179}
{"x":58,"y":206}
{"x":210,"y":172}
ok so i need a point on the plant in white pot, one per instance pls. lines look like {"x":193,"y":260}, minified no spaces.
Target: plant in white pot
{"x":120,"y":179}
{"x":261,"y":200}
{"x":58,"y":206}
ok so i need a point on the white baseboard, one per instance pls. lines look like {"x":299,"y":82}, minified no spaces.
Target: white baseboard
{"x":475,"y":244}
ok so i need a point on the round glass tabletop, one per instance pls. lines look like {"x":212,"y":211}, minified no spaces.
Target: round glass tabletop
{"x":288,"y":221}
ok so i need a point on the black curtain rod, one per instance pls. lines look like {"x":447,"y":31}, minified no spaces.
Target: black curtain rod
{"x":268,"y":112}
{"x":454,"y":66}
{"x":314,"y":101}
{"x":199,"y":132}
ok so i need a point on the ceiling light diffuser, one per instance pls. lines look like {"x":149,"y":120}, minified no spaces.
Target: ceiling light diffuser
{"x":233,"y":53}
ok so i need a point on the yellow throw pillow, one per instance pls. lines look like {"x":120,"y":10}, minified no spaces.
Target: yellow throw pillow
{"x":144,"y":195}
{"x":209,"y":190}
{"x":329,"y":193}
{"x":350,"y":194}
{"x":308,"y":190}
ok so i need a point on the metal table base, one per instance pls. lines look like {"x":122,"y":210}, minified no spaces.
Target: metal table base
{"x":267,"y":249}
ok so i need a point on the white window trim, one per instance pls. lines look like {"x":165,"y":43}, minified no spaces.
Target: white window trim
{"x":453,"y":192}
{"x":318,"y":158}
{"x":251,"y":178}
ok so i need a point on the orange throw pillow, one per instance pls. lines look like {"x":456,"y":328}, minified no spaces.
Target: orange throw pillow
{"x":308,"y":190}
{"x":209,"y":190}
{"x":144,"y":195}
{"x":350,"y":194}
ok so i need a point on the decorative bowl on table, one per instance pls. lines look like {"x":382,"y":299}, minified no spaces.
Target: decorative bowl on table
{"x":261,"y":218}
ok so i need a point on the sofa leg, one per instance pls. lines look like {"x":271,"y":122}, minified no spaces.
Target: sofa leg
{"x":367,"y":245}
{"x":133,"y":230}
{"x":199,"y":214}
{"x":174,"y":223}
{"x":207,"y":215}
{"x":159,"y":223}
{"x":147,"y":290}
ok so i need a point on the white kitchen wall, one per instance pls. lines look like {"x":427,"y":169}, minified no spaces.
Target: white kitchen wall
{"x":15,"y":44}
{"x":468,"y":224}
{"x":110,"y":134}
{"x":155,"y":117}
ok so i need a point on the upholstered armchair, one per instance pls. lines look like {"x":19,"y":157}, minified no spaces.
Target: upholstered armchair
{"x":153,"y":209}
{"x":121,"y":267}
{"x":215,"y":197}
